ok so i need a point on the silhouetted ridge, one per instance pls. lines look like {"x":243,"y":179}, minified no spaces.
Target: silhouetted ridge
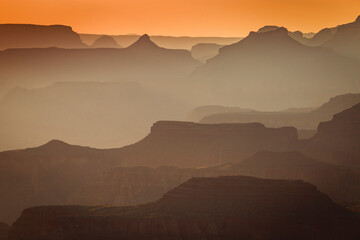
{"x":144,"y":42}
{"x":105,"y":42}
{"x":38,"y":36}
{"x":55,"y":144}
{"x":240,"y":195}
{"x":268,"y":28}
{"x":57,"y":148}
{"x":275,"y":160}
{"x":280,"y":31}
{"x":268,"y":42}
{"x":202,"y":208}
{"x":165,"y":126}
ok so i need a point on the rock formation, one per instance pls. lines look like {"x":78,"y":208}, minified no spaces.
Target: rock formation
{"x":276,"y":67}
{"x":137,"y":185}
{"x":186,"y":144}
{"x":202,"y":208}
{"x":43,"y":66}
{"x":54,"y":172}
{"x":301,"y":120}
{"x":346,"y":39}
{"x":337,"y":141}
{"x":38,"y":36}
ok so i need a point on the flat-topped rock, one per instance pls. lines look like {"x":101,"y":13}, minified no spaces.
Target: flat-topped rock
{"x":38,"y":36}
{"x":186,"y":144}
{"x":202,"y":208}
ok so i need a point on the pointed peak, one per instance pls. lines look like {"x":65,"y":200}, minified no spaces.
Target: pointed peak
{"x":357,"y":19}
{"x":144,"y":42}
{"x":145,"y":37}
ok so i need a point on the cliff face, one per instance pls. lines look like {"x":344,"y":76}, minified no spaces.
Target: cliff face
{"x":37,"y":36}
{"x":185,"y":144}
{"x":57,"y":173}
{"x":337,"y":141}
{"x":202,"y":208}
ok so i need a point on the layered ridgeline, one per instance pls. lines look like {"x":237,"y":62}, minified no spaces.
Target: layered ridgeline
{"x":265,"y":68}
{"x":297,"y":35}
{"x":43,"y":66}
{"x":172,"y":42}
{"x":205,"y":51}
{"x":337,"y":141}
{"x":136,"y":185}
{"x":343,"y":39}
{"x":105,"y":42}
{"x":52,"y":173}
{"x":100,"y":115}
{"x":202,"y":208}
{"x":301,"y":119}
{"x":198,"y":113}
{"x":58,"y":173}
{"x":38,"y":36}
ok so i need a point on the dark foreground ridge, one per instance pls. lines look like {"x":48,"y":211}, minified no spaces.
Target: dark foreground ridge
{"x":202,"y":208}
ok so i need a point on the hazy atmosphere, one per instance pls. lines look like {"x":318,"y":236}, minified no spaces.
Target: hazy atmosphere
{"x":189,"y":120}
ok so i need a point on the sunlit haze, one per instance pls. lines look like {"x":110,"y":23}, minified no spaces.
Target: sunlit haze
{"x":180,"y":17}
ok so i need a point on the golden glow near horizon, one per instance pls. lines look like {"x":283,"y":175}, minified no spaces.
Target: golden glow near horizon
{"x":181,"y":17}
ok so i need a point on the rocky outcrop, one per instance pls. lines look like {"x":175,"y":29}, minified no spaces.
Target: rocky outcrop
{"x":38,"y":36}
{"x":202,"y":208}
{"x":337,"y":141}
{"x":297,"y":35}
{"x":186,"y":144}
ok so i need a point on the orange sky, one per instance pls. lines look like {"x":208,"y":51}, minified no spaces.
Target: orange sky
{"x":180,"y":17}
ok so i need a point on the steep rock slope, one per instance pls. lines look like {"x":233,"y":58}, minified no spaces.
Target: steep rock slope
{"x":337,"y":140}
